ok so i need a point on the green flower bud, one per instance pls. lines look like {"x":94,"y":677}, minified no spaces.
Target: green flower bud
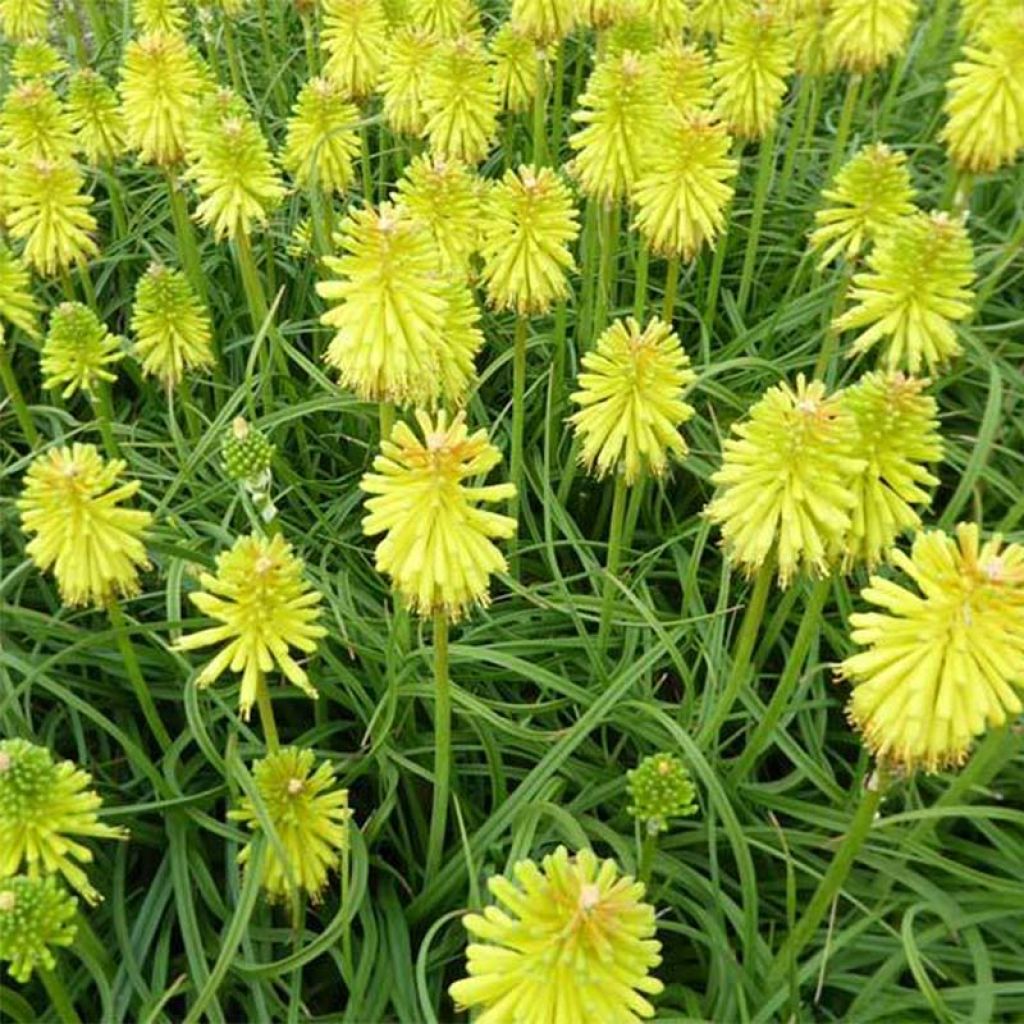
{"x":35,"y":914}
{"x":660,"y":788}
{"x":246,"y":452}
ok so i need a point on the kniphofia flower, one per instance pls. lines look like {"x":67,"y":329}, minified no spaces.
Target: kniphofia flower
{"x":463,"y":340}
{"x":158,"y":15}
{"x":917,"y":285}
{"x":573,"y":943}
{"x":354,"y":38}
{"x":438,"y":546}
{"x":310,"y":816}
{"x":631,"y":398}
{"x":515,"y":58}
{"x":35,"y":914}
{"x":602,"y":14}
{"x":34,"y":125}
{"x":681,"y":197}
{"x":711,"y":17}
{"x":786,"y":489}
{"x":322,"y":138}
{"x":36,"y":58}
{"x":171,"y":326}
{"x":445,"y":19}
{"x":410,"y":51}
{"x":461,"y":101}
{"x":18,"y":306}
{"x":660,"y":788}
{"x":47,"y":808}
{"x":685,"y":73}
{"x":78,"y":351}
{"x":264,"y":608}
{"x":24,"y":19}
{"x":529,"y":223}
{"x":95,"y":113}
{"x":72,"y":503}
{"x":943,"y":657}
{"x":669,"y":17}
{"x":898,"y":437}
{"x":976,"y":16}
{"x":871,"y":194}
{"x":544,"y":21}
{"x":864,"y":34}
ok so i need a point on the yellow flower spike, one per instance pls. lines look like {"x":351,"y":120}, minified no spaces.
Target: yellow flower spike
{"x":311,"y":819}
{"x":917,"y":285}
{"x":36,"y":58}
{"x":72,"y":503}
{"x":95,"y":113}
{"x":871,"y":194}
{"x":681,"y":197}
{"x":48,"y":209}
{"x":752,"y":63}
{"x":636,"y":34}
{"x":529,"y":224}
{"x":809,"y":25}
{"x":602,"y":14}
{"x":410,"y":52}
{"x":943,"y":658}
{"x":631,"y":395}
{"x":264,"y":608}
{"x":712,"y":17}
{"x":437,"y":547}
{"x":445,"y":197}
{"x":621,"y":113}
{"x":34,"y":124}
{"x":515,"y":67}
{"x":46,"y":808}
{"x":235,"y":177}
{"x":544,"y":21}
{"x":24,"y":19}
{"x":388,"y":308}
{"x":78,"y":350}
{"x":18,"y":306}
{"x":322,"y":138}
{"x":898,"y":436}
{"x":445,"y":19}
{"x":159,"y":87}
{"x":976,"y":16}
{"x":354,"y":39}
{"x":865,"y":34}
{"x":461,"y":101}
{"x":574,"y":944}
{"x":158,"y":16}
{"x":786,"y":486}
{"x":669,"y":17}
{"x":171,"y":326}
{"x":985,"y":105}
{"x":685,"y":73}
{"x":463,"y":340}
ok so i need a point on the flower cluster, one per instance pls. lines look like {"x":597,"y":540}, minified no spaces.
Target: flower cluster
{"x":660,"y":788}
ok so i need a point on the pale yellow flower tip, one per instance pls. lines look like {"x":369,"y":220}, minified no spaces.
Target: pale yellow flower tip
{"x":631,"y":395}
{"x":573,"y":943}
{"x":544,"y":21}
{"x":322,"y":138}
{"x":437,"y":546}
{"x":264,"y":608}
{"x":785,"y":489}
{"x":71,"y":502}
{"x":354,"y":39}
{"x":942,"y":660}
{"x":863,"y":35}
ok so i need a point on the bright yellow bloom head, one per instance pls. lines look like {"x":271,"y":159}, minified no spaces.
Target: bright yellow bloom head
{"x":310,"y":815}
{"x":752,"y":63}
{"x":78,"y":351}
{"x":601,"y":14}
{"x":544,"y":21}
{"x":463,"y":340}
{"x":631,"y":395}
{"x":444,"y":196}
{"x":809,"y":28}
{"x":46,"y":808}
{"x":898,"y":437}
{"x":34,"y":124}
{"x":786,"y":486}
{"x":160,"y":83}
{"x":871,"y":194}
{"x":461,"y":101}
{"x":71,"y":502}
{"x":528,"y":225}
{"x":354,"y":38}
{"x":24,"y":19}
{"x":515,"y":57}
{"x":171,"y":326}
{"x":712,"y":17}
{"x":235,"y":176}
{"x":918,"y":284}
{"x":410,"y":52}
{"x":669,"y":17}
{"x":985,"y":105}
{"x":977,"y":16}
{"x":575,"y":945}
{"x":445,"y":19}
{"x":158,"y":15}
{"x":685,"y":72}
{"x":943,"y":660}
{"x":18,"y":306}
{"x":621,"y":113}
{"x":322,"y":138}
{"x":437,"y":546}
{"x":682,"y":195}
{"x":863,"y":35}
{"x":94,"y":111}
{"x":264,"y":608}
{"x":635,"y":34}
{"x":36,"y":58}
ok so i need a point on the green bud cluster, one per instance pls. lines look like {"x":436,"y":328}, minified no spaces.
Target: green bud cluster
{"x":27,"y":776}
{"x":246,"y":452}
{"x":660,"y":788}
{"x":35,"y":914}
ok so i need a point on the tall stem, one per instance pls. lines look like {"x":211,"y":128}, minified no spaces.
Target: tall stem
{"x":643,"y":262}
{"x":715,"y":284}
{"x":606,"y":272}
{"x":648,"y":848}
{"x":188,"y":248}
{"x":60,"y":1000}
{"x":13,"y":389}
{"x":442,"y":745}
{"x":556,"y":109}
{"x":104,"y":418}
{"x":386,"y":419}
{"x":796,"y":131}
{"x":671,"y":289}
{"x":828,"y":349}
{"x":518,"y":416}
{"x":266,"y":710}
{"x":540,"y":109}
{"x":367,"y":165}
{"x":765,"y":167}
{"x":590,"y":246}
{"x":614,"y":558}
{"x":845,"y":122}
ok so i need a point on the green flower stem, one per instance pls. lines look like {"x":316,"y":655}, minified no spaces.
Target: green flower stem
{"x":834,"y":877}
{"x":228,"y":31}
{"x":826,"y":357}
{"x":266,"y":709}
{"x":796,"y":133}
{"x":671,"y":289}
{"x":557,"y":103}
{"x":442,"y":745}
{"x":559,"y":353}
{"x":14,"y":393}
{"x":606,"y":269}
{"x":104,"y":418}
{"x":643,"y":262}
{"x":386,"y":418}
{"x":810,"y":625}
{"x":648,"y":849}
{"x":853,"y":85}
{"x":636,"y":501}
{"x":73,"y":27}
{"x":312,"y":59}
{"x":188,"y":248}
{"x":60,"y":1001}
{"x":131,"y":664}
{"x":614,"y":559}
{"x":589,"y":255}
{"x":742,"y":655}
{"x":518,"y":423}
{"x":87,"y":287}
{"x":765,"y":168}
{"x":540,"y":109}
{"x":366,"y":163}
{"x":715,"y":284}
{"x":97,"y":22}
